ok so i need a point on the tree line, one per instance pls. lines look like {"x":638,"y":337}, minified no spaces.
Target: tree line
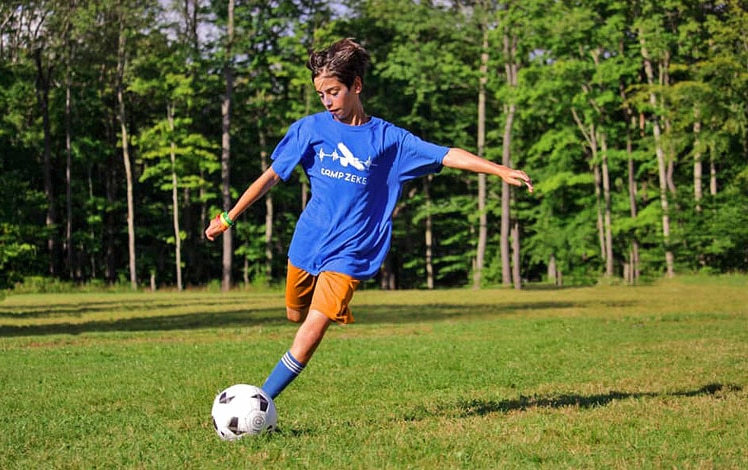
{"x":128,"y":124}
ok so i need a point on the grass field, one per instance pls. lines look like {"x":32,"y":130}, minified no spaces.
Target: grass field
{"x":601,"y":377}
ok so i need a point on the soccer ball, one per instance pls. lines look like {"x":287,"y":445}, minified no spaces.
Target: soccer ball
{"x":243,"y":409}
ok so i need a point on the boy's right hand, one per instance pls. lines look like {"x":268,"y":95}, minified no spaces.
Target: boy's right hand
{"x":215,"y":228}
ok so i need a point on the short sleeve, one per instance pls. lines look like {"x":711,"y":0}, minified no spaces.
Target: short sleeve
{"x":419,"y":158}
{"x":289,"y":151}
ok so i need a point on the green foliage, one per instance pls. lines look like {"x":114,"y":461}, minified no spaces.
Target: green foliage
{"x":574,"y":57}
{"x":716,"y":234}
{"x":14,"y":254}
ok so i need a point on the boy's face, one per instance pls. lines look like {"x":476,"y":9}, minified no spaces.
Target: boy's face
{"x":341,"y":101}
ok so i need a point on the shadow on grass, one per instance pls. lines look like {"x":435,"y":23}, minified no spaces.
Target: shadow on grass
{"x":227,"y":313}
{"x":466,"y":408}
{"x":236,"y":319}
{"x":436,"y":312}
{"x":143,"y":304}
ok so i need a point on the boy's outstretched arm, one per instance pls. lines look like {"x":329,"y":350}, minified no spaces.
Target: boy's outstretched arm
{"x":255,"y":191}
{"x":463,"y":160}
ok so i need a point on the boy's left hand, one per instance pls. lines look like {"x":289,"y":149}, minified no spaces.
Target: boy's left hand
{"x":518,"y":178}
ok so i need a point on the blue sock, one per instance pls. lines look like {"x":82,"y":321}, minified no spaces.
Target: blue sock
{"x":287,"y":369}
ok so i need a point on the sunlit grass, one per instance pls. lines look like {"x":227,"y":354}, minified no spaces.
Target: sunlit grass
{"x":603,"y":377}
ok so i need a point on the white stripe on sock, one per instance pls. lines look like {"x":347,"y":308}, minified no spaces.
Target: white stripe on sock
{"x":291,"y":365}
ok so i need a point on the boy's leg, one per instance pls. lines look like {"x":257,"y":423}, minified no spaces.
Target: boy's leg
{"x":292,"y":363}
{"x":309,"y":336}
{"x":331,"y":295}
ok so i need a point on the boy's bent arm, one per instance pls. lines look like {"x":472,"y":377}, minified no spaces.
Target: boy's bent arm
{"x":460,"y":159}
{"x":255,"y":191}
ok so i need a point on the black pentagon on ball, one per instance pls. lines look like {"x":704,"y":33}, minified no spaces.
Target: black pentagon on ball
{"x":234,"y":426}
{"x":225,"y":399}
{"x":264,"y":404}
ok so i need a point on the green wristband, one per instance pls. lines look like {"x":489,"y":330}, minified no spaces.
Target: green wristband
{"x":225,"y":217}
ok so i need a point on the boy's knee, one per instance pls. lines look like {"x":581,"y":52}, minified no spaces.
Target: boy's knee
{"x":296,"y":316}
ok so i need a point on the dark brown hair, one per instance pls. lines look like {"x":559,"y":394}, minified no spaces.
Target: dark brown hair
{"x":344,"y":60}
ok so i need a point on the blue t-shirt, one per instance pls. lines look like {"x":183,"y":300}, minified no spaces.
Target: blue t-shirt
{"x":356,"y":174}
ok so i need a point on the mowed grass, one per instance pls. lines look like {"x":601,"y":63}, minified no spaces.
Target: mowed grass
{"x":601,"y":377}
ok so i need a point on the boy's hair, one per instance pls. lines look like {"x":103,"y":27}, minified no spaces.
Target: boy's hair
{"x":344,"y":60}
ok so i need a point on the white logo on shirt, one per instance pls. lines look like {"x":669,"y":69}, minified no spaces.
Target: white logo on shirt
{"x":347,"y":158}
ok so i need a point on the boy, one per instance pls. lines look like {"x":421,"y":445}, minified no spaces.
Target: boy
{"x":356,"y":165}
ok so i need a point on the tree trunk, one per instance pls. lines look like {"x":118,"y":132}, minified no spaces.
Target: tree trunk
{"x":190,"y":9}
{"x":697,"y":164}
{"x":516,"y":268}
{"x":554,"y":272}
{"x":661,"y":164}
{"x":634,"y":252}
{"x":121,"y":62}
{"x":429,"y":235}
{"x":601,"y":138}
{"x":591,"y":137}
{"x":269,"y":215}
{"x":228,"y":73}
{"x":69,"y":248}
{"x":480,"y":253}
{"x":511,"y":68}
{"x":598,"y":204}
{"x":387,"y":279}
{"x":506,"y":275}
{"x":552,"y":278}
{"x":43,"y":78}
{"x":669,"y":159}
{"x":175,"y":200}
{"x":110,"y":223}
{"x":606,"y":208}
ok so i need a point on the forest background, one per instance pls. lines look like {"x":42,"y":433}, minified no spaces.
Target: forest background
{"x":127,"y":124}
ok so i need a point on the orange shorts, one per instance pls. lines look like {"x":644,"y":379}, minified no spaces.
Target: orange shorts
{"x":328,"y":292}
